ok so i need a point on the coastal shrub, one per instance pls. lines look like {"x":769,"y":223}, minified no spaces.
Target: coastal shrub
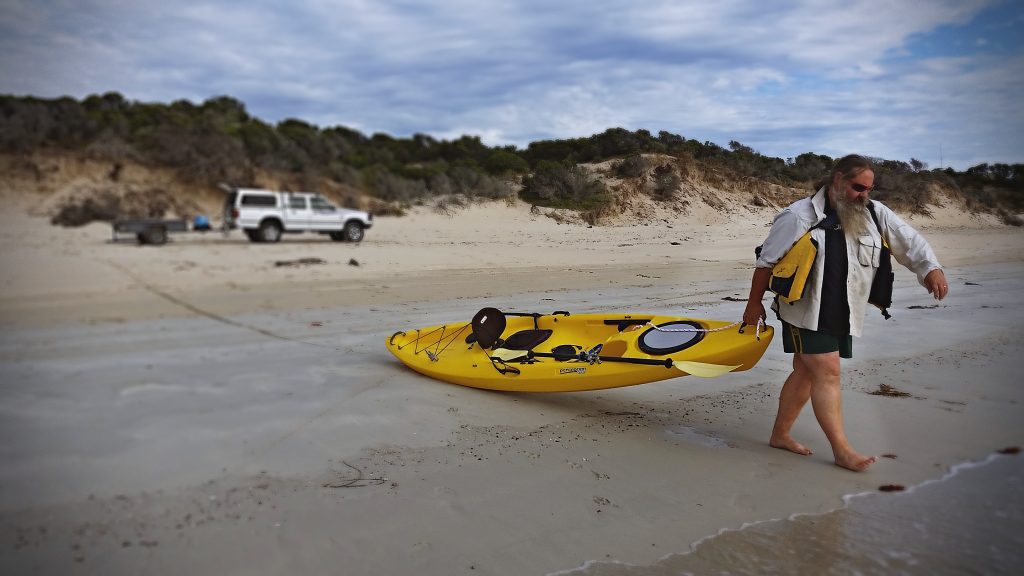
{"x":475,"y":184}
{"x":664,"y":184}
{"x":381,"y":208}
{"x":632,"y":166}
{"x":104,"y":206}
{"x":440,"y":185}
{"x":380,"y":182}
{"x":504,"y":162}
{"x":557,"y":186}
{"x":217,"y":140}
{"x":905,"y":191}
{"x":1009,"y":218}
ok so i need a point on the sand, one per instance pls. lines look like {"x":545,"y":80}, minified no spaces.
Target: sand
{"x":195,"y":408}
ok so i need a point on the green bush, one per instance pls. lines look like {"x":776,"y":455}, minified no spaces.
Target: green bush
{"x":555,"y":185}
{"x":504,"y":162}
{"x":665,"y":184}
{"x":381,"y":183}
{"x":632,"y":166}
{"x":218,"y":140}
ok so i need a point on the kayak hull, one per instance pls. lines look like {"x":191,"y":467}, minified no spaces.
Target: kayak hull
{"x":450,"y":353}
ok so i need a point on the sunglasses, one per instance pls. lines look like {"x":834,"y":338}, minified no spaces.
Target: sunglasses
{"x":861,"y":187}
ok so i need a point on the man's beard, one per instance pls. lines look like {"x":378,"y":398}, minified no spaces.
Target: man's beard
{"x":850,"y":212}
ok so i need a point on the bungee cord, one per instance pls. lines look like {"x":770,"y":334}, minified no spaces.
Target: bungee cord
{"x":740,"y":323}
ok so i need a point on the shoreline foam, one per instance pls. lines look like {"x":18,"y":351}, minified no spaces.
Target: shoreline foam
{"x":783,"y":531}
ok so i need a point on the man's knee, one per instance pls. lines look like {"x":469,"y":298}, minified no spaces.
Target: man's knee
{"x":821,"y":366}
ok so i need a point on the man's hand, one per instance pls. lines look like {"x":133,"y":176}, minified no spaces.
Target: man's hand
{"x":936,"y":284}
{"x":753,"y":312}
{"x":758,"y":285}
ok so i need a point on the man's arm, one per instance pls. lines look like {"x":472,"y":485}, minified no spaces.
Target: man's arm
{"x":758,"y":286}
{"x":911,"y":249}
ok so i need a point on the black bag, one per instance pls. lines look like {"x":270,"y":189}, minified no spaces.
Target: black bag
{"x":881,"y":285}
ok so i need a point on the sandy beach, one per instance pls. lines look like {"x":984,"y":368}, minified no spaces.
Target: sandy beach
{"x":198,"y":408}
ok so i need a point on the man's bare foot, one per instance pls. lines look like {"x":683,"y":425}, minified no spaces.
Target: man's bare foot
{"x":787,"y":443}
{"x":853,"y":461}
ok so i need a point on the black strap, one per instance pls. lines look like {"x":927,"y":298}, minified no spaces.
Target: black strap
{"x":827,"y":220}
{"x":505,"y":368}
{"x":881,"y":286}
{"x":878,"y":225}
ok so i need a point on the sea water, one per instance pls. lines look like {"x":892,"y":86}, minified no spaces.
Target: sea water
{"x":970,"y":521}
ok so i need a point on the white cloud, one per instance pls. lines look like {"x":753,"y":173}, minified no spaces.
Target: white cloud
{"x":784,"y":77}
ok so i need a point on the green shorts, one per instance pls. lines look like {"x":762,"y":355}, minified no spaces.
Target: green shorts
{"x":803,"y":341}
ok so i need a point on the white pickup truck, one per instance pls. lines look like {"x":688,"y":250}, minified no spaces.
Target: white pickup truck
{"x":264,"y":215}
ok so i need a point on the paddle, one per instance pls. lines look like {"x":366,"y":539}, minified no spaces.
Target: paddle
{"x":700,"y":369}
{"x":703,"y":369}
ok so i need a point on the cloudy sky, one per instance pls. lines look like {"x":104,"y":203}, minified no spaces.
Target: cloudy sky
{"x":896,"y":79}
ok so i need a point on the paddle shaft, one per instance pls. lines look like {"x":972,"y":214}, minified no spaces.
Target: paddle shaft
{"x":667,"y":362}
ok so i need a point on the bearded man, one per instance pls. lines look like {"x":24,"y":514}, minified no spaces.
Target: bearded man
{"x":818,"y":328}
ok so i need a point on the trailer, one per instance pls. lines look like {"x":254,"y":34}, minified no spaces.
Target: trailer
{"x":149,"y":230}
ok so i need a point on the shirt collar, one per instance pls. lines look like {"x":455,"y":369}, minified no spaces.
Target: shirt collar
{"x":818,"y":201}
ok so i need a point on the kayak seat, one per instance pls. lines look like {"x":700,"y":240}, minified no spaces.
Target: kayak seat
{"x":488,"y":324}
{"x":526,"y":339}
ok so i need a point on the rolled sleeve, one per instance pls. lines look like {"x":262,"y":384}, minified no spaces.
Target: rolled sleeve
{"x":909,"y":247}
{"x":786,"y":229}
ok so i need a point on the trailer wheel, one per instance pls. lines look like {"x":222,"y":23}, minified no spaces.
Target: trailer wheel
{"x":353,"y":231}
{"x":270,"y":231}
{"x":337,"y":236}
{"x":253,"y":235}
{"x":155,"y":235}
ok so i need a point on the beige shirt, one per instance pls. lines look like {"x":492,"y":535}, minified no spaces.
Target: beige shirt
{"x":863,"y":253}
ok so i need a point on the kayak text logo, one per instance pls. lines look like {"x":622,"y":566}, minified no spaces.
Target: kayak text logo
{"x":573,"y":371}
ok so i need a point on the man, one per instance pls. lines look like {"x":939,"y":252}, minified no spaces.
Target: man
{"x":818,"y":328}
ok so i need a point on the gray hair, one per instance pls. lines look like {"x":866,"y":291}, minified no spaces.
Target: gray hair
{"x":847,"y":167}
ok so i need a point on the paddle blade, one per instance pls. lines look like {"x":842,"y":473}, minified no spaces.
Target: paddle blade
{"x":703,"y":369}
{"x":506,"y":355}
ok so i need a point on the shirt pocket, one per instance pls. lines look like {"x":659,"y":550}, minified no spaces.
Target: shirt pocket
{"x":869,"y":251}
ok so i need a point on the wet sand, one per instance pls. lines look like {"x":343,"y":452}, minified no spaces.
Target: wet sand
{"x":229,"y":416}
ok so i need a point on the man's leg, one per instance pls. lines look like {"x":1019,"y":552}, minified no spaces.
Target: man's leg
{"x":826,"y":399}
{"x":795,"y":393}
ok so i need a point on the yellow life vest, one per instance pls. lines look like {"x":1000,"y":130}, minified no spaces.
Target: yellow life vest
{"x":790,"y":274}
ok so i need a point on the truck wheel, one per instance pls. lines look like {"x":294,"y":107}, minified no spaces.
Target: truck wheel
{"x":155,"y":235}
{"x":270,"y":231}
{"x":353,"y":232}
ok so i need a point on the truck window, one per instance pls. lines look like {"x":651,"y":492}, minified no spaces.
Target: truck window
{"x":297,"y":202}
{"x":321,"y":204}
{"x":259,"y":200}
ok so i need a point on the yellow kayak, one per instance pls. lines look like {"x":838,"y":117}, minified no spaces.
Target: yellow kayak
{"x":562,"y":352}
